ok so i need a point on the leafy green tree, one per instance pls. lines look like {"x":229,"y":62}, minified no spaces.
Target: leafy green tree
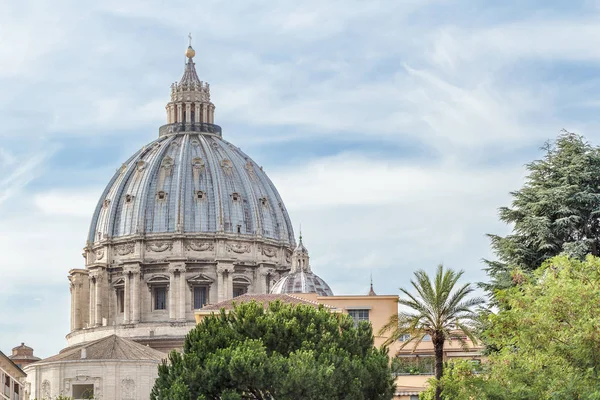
{"x":440,"y":309}
{"x":547,"y":333}
{"x":557,"y":210}
{"x":460,"y":381}
{"x":282,"y":352}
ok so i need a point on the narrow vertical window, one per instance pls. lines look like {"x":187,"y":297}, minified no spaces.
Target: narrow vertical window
{"x":160,"y":298}
{"x":200,"y":297}
{"x":121,"y":300}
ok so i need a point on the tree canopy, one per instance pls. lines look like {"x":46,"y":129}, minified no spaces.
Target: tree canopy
{"x":557,"y":210}
{"x":281,"y":352}
{"x":547,"y":337}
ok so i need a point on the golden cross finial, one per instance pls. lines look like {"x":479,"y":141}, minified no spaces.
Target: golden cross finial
{"x":190,"y":37}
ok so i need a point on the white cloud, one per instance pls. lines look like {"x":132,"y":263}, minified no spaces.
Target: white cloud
{"x":73,"y":203}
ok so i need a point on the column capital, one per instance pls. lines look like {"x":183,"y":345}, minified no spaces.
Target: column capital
{"x":132,"y":268}
{"x":177,"y":267}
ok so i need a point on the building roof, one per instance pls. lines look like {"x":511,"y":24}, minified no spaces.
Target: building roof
{"x":12,"y":363}
{"x":263,"y":299}
{"x":23,"y":353}
{"x":109,"y":348}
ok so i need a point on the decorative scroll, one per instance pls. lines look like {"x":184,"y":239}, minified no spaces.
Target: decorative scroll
{"x":239,"y":247}
{"x":159,"y":247}
{"x":124,"y":249}
{"x":196,"y":245}
{"x":99,"y":253}
{"x":269,"y":251}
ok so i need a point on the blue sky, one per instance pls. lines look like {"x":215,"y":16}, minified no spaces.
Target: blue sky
{"x":392,"y":129}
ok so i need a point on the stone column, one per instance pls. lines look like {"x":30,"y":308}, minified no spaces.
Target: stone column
{"x":188,"y":112}
{"x":182,"y":295}
{"x":204,"y":113}
{"x":172,"y":294}
{"x":197,"y":113}
{"x":92,"y":304}
{"x":98,"y":295}
{"x":220,"y":285}
{"x":230,"y":284}
{"x":136,"y":297}
{"x":179,"y":113}
{"x":126,"y":298}
{"x":73,"y":299}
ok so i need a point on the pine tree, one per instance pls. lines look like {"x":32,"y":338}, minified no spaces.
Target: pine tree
{"x":556,"y":211}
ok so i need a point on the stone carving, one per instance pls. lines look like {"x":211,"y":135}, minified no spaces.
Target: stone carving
{"x":106,"y":203}
{"x":125,"y":248}
{"x":141,"y":165}
{"x":99,"y":253}
{"x":269,"y":251}
{"x":250,"y":169}
{"x":46,"y":389}
{"x":197,"y":245}
{"x":198,"y":163}
{"x":227,"y":166}
{"x":238,"y":247}
{"x":159,"y":247}
{"x":167,"y":163}
{"x":128,"y":389}
{"x":123,"y":168}
{"x":288,"y":259}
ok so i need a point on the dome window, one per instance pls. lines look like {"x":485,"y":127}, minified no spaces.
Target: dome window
{"x":264,"y":202}
{"x":239,"y":229}
{"x":128,"y":198}
{"x":235,"y":196}
{"x":200,"y":195}
{"x":141,"y":165}
{"x":161,"y":195}
{"x":106,"y":203}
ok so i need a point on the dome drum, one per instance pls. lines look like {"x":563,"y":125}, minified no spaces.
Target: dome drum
{"x":181,"y":127}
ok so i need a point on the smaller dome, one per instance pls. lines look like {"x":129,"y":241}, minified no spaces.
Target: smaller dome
{"x":301,"y":279}
{"x":190,"y":52}
{"x":302,"y":282}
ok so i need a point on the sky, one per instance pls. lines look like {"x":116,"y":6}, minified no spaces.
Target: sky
{"x":393,"y":130}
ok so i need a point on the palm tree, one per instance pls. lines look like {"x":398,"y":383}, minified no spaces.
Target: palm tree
{"x":439,"y":309}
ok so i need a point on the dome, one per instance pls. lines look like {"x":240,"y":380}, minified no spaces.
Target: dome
{"x":191,"y":182}
{"x":301,"y":279}
{"x":187,"y":220}
{"x":302,"y":282}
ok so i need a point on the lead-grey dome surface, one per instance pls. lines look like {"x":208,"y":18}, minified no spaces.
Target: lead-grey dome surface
{"x":190,"y":183}
{"x":302,"y":282}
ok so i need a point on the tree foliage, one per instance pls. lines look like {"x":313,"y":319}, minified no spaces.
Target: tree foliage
{"x":557,"y":210}
{"x":547,"y":335}
{"x":282,"y":352}
{"x":439,"y":308}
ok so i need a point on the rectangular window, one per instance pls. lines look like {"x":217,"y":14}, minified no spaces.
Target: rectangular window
{"x":359,"y":315}
{"x":404,"y":337}
{"x":238,"y":291}
{"x":81,"y":392}
{"x":200,"y":297}
{"x":160,"y":298}
{"x":121,"y":300}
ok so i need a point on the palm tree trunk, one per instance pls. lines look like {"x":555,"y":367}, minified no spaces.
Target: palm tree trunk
{"x":438,"y":348}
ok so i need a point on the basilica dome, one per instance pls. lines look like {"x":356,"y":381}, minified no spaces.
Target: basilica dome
{"x":186,"y":221}
{"x":191,"y":182}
